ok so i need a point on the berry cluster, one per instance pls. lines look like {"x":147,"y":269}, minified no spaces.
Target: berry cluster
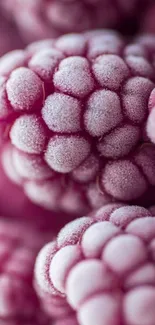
{"x":75,"y":111}
{"x":103,"y":266}
{"x":77,"y":140}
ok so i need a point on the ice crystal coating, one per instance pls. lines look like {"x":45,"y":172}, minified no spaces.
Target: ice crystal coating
{"x":103,"y":267}
{"x":73,"y":111}
{"x":19,"y":245}
{"x":41,"y":19}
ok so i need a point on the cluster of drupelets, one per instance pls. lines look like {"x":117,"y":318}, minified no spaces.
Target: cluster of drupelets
{"x":77,"y":162}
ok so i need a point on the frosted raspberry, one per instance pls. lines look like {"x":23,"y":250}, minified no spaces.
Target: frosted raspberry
{"x":103,"y":267}
{"x":19,"y":244}
{"x":38,"y":19}
{"x":73,"y":111}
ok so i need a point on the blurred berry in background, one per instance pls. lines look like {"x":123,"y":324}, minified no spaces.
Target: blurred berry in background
{"x":19,"y":244}
{"x":39,"y":19}
{"x":9,"y":36}
{"x":147,"y":21}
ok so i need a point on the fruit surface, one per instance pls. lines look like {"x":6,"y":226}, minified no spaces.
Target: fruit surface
{"x":74,"y":111}
{"x":103,"y":267}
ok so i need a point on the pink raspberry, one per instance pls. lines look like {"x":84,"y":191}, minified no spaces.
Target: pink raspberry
{"x":74,"y":109}
{"x":9,"y":37}
{"x":19,"y":245}
{"x":39,"y":19}
{"x":103,"y":267}
{"x":147,"y":20}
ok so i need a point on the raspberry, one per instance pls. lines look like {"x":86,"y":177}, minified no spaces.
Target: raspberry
{"x":147,"y":21}
{"x":75,"y":110}
{"x":9,"y":38}
{"x":50,"y":18}
{"x":103,"y":266}
{"x":19,"y":244}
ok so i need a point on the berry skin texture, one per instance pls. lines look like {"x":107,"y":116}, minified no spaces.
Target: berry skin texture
{"x":19,"y":245}
{"x":111,"y":256}
{"x":73,"y":113}
{"x":41,"y":19}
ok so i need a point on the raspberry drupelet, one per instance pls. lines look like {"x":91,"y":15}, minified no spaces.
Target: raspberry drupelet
{"x":19,"y":245}
{"x":74,"y":112}
{"x":103,"y":266}
{"x":39,"y":19}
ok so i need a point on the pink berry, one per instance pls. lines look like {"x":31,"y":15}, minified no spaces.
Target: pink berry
{"x":74,"y":111}
{"x":9,"y":36}
{"x":103,"y":266}
{"x":147,"y":21}
{"x":19,"y":244}
{"x":41,"y":19}
{"x":70,"y":320}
